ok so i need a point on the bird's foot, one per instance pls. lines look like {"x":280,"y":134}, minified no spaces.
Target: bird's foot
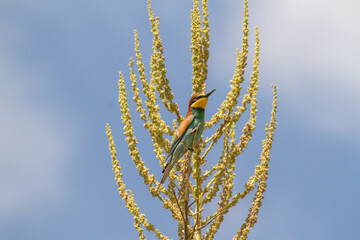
{"x":196,"y":128}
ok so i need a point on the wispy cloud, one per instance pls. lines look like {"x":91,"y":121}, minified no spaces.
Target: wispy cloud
{"x":310,"y":49}
{"x":35,"y":146}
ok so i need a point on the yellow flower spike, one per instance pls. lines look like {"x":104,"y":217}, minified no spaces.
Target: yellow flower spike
{"x":217,"y":135}
{"x":223,"y":209}
{"x":197,"y":47}
{"x":129,"y":132}
{"x":158,"y":67}
{"x":236,"y":150}
{"x":262,"y":173}
{"x":250,"y":126}
{"x":139,"y":63}
{"x":205,"y":43}
{"x":136,"y":92}
{"x":154,"y":124}
{"x":250,"y":97}
{"x":148,"y":178}
{"x":225,"y":125}
{"x":212,"y":187}
{"x":197,"y":190}
{"x":233,"y":94}
{"x":127,"y":196}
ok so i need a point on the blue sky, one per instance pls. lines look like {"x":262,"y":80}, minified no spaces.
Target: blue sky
{"x":59,"y":64}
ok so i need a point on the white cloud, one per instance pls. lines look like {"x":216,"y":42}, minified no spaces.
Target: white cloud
{"x":310,"y":49}
{"x":34,"y":146}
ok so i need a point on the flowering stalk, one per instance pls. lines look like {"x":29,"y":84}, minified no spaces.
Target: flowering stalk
{"x":191,"y":187}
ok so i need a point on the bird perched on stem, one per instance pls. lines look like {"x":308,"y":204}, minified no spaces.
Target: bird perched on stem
{"x":188,"y":133}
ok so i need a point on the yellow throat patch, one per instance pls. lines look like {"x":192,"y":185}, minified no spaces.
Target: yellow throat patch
{"x":201,"y":103}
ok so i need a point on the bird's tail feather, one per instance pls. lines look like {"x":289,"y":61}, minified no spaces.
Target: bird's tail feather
{"x":163,"y":179}
{"x":165,"y":172}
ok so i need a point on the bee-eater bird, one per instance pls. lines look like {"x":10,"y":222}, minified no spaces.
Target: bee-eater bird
{"x":188,"y":133}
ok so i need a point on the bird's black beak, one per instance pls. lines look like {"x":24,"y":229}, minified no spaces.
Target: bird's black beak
{"x":209,"y":93}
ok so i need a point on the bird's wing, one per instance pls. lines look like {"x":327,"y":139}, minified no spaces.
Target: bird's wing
{"x":184,"y":125}
{"x":180,"y":132}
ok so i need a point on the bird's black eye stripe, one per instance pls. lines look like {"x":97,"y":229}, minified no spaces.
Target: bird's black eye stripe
{"x":194,"y":99}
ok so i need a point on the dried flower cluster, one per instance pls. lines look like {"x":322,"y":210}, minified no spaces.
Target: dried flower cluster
{"x":190,"y":187}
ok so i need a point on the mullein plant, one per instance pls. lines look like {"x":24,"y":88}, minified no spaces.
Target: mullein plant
{"x":190,"y":187}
